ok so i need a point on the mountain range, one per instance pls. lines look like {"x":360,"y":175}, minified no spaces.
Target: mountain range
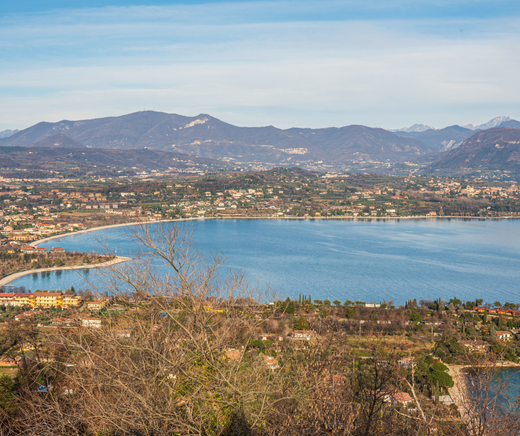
{"x":206,"y":137}
{"x":487,"y":151}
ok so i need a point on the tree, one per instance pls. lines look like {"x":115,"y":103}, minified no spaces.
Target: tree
{"x":301,"y":324}
{"x":479,"y":302}
{"x":497,"y":304}
{"x":455,"y":301}
{"x":336,"y":303}
{"x":326,"y":302}
{"x":172,"y":374}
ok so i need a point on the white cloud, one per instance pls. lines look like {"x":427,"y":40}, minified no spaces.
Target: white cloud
{"x":216,"y":59}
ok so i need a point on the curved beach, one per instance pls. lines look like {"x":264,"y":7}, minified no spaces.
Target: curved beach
{"x":17,"y":275}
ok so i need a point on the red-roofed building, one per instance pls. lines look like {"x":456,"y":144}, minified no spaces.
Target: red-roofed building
{"x":29,"y":249}
{"x":402,"y":398}
{"x":6,"y":298}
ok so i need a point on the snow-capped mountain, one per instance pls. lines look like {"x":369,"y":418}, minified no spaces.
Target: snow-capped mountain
{"x":495,"y":122}
{"x":415,"y":128}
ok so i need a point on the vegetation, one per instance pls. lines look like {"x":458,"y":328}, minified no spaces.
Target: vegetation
{"x":195,"y":354}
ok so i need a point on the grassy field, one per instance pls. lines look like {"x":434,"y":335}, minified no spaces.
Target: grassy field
{"x":11,"y":372}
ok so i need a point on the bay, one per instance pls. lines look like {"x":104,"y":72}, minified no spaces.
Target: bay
{"x":367,"y":260}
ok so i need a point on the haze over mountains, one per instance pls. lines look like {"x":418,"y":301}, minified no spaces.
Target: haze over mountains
{"x":7,"y":133}
{"x":207,"y":137}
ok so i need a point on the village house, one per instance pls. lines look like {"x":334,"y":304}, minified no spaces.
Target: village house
{"x":504,"y":336}
{"x":97,"y":304}
{"x":303,"y":335}
{"x":270,"y":362}
{"x":28,"y":249}
{"x":91,"y":322}
{"x":401,"y":398}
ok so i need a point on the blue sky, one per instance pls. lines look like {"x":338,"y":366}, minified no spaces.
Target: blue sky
{"x":285,"y":63}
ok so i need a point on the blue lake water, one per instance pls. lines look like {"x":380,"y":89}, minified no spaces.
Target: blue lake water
{"x":356,"y":260}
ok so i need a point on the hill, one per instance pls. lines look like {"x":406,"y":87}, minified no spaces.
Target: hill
{"x":207,"y":136}
{"x":80,"y":161}
{"x":486,"y":152}
{"x":58,"y":140}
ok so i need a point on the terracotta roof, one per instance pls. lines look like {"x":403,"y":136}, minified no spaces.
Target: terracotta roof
{"x":47,"y":294}
{"x":402,"y":397}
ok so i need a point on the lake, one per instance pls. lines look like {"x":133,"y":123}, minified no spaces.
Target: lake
{"x":368,"y":260}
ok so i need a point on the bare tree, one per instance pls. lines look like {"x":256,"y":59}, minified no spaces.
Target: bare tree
{"x":174,"y":363}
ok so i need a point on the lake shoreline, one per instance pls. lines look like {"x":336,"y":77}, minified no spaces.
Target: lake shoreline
{"x":17,"y":275}
{"x":336,"y":256}
{"x":230,"y":217}
{"x":459,"y":393}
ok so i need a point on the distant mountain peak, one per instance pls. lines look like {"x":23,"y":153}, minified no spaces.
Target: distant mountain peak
{"x":415,"y":128}
{"x":7,"y":133}
{"x":495,"y":122}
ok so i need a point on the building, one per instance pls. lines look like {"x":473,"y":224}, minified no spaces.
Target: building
{"x":504,"y":336}
{"x":68,"y":301}
{"x":6,"y":298}
{"x":91,"y":322}
{"x":97,"y":304}
{"x":21,"y":300}
{"x":401,"y":398}
{"x":303,"y":335}
{"x":270,"y":362}
{"x":47,"y":299}
{"x":28,"y":249}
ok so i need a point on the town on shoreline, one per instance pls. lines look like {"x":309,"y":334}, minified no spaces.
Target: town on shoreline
{"x":32,"y":209}
{"x":421,"y":347}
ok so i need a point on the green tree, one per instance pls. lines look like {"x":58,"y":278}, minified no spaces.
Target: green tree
{"x":497,"y":304}
{"x":493,"y":333}
{"x":336,"y":303}
{"x":7,"y":394}
{"x":326,"y":302}
{"x":301,"y":324}
{"x":456,"y":302}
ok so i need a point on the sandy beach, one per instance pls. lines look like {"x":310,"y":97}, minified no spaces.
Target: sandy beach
{"x":112,"y":226}
{"x":14,"y":276}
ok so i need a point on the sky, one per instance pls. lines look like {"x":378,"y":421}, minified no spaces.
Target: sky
{"x":287,"y":63}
